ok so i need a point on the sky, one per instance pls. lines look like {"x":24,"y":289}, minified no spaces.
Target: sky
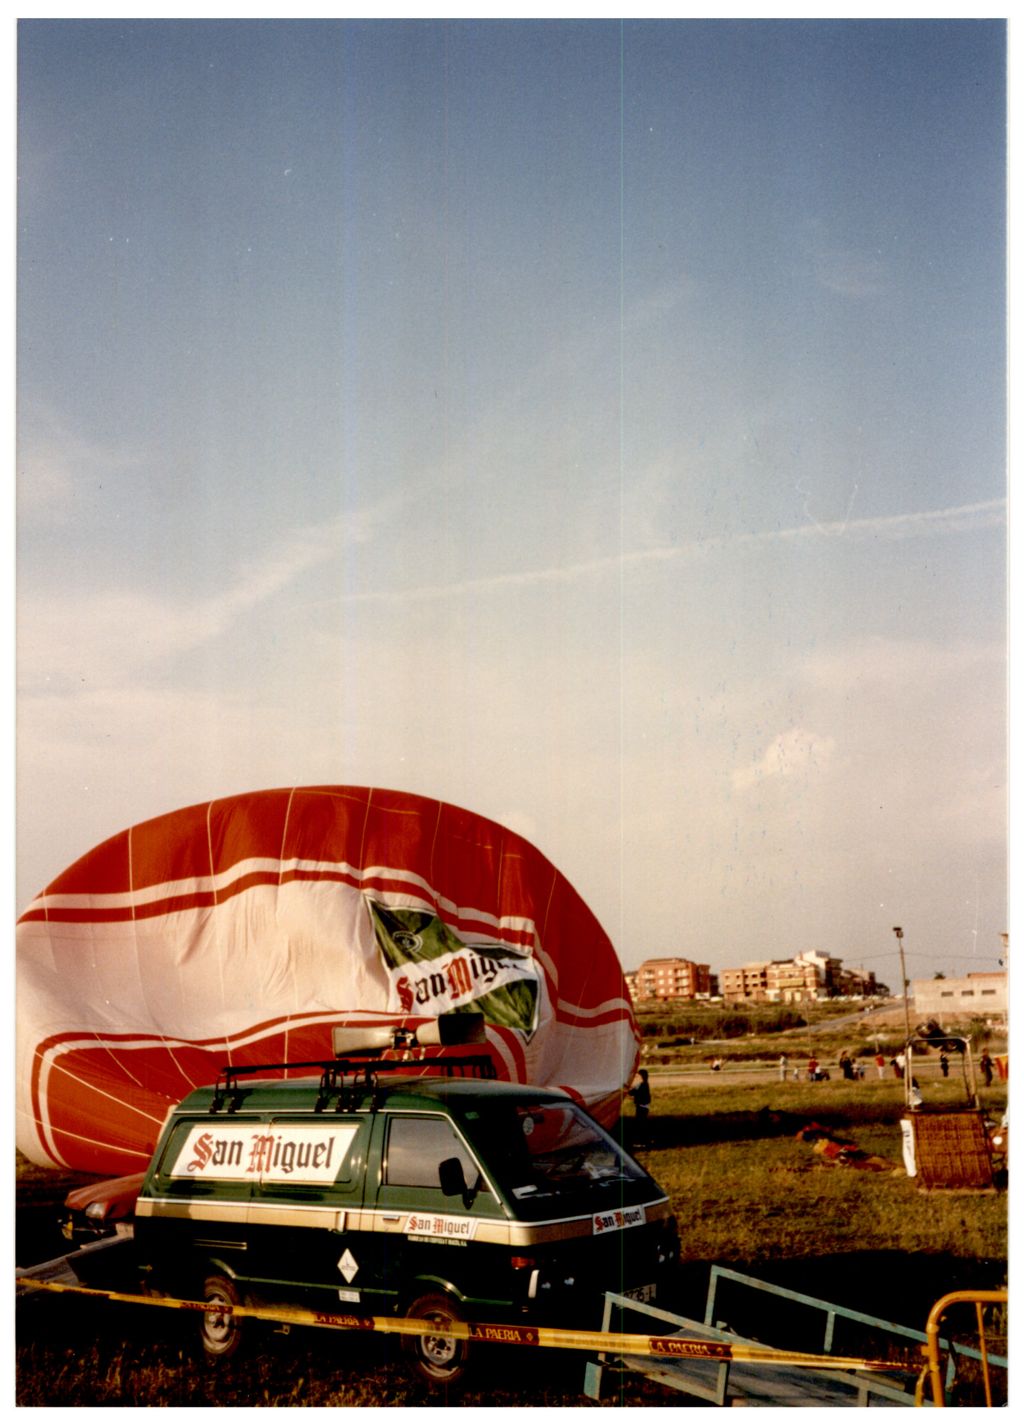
{"x":598,"y":426}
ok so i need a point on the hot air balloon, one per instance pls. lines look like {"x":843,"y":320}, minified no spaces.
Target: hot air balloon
{"x":244,"y":930}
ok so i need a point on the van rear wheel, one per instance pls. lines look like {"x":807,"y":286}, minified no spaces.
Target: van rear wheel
{"x":220,"y":1330}
{"x":436,"y":1358}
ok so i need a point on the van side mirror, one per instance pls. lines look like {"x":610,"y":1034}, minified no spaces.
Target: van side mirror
{"x":452,"y":1177}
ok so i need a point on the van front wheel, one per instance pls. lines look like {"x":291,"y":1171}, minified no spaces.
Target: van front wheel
{"x":220,"y":1330}
{"x":436,"y":1358}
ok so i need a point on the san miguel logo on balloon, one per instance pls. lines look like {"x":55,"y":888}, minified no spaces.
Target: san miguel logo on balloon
{"x":432,"y":972}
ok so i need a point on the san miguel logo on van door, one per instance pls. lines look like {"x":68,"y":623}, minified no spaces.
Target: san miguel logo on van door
{"x":431,"y":971}
{"x":450,"y":1228}
{"x":261,"y":1153}
{"x":618,"y":1220}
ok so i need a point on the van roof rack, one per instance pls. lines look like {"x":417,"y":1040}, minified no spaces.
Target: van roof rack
{"x":341,"y":1078}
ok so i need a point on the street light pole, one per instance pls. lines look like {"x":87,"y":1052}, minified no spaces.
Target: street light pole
{"x":897,"y":931}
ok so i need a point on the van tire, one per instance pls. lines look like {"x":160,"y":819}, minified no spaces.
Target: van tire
{"x":221,"y":1335}
{"x":436,"y":1359}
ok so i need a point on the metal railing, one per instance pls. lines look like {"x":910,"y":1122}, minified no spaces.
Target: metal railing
{"x":979,"y":1299}
{"x":731,"y":1378}
{"x":941,"y":1381}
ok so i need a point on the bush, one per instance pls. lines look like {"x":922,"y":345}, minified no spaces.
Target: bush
{"x":685,"y":1028}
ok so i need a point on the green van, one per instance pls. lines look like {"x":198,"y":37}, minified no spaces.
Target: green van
{"x":451,"y":1196}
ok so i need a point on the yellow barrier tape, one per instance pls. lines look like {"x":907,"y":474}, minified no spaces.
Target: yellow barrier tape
{"x":545,"y":1337}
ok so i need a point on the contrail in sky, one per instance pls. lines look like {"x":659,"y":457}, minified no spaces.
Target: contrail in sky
{"x":921,"y":524}
{"x":118,"y":629}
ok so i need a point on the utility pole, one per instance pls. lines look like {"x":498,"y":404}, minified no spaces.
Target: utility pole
{"x":897,"y":931}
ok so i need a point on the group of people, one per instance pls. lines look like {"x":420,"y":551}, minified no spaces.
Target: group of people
{"x":851,"y":1071}
{"x":815,"y":1072}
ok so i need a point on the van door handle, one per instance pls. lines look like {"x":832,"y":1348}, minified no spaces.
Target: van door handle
{"x":391,"y":1215}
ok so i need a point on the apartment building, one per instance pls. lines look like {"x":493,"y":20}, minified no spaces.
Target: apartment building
{"x":794,"y":981}
{"x":858,"y":984}
{"x":749,"y":981}
{"x":670,"y":979}
{"x":805,"y":977}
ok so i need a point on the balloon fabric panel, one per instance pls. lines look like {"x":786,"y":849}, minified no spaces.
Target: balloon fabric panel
{"x":240,"y":931}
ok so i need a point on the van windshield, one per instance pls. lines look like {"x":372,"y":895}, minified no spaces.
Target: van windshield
{"x":550,"y":1149}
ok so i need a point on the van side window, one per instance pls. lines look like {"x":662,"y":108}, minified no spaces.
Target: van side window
{"x":416,"y":1148}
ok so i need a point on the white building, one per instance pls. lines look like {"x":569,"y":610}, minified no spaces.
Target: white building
{"x":975,"y":996}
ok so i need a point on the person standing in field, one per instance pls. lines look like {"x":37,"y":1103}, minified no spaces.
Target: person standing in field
{"x":985,"y":1064}
{"x":783,"y":1066}
{"x":641,"y":1096}
{"x":944,"y":1064}
{"x":880,"y":1064}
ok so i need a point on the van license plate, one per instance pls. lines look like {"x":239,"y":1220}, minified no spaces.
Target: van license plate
{"x":641,"y":1293}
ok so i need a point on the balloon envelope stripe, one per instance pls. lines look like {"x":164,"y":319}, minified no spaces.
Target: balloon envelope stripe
{"x":148,"y":901}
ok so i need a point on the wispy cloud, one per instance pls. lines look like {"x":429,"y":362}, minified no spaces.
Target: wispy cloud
{"x":259,"y":580}
{"x":653,"y":306}
{"x":53,"y":464}
{"x":850,"y":273}
{"x":901,"y":663}
{"x":791,"y":753}
{"x":110,"y":635}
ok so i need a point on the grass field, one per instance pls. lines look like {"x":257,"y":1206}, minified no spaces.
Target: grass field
{"x":747,"y":1193}
{"x":746,"y":1190}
